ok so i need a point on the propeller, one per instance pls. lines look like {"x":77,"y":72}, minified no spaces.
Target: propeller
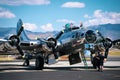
{"x":52,"y":42}
{"x":14,"y":40}
{"x":116,"y":43}
{"x":20,"y":30}
{"x":19,"y":24}
{"x":107,"y":43}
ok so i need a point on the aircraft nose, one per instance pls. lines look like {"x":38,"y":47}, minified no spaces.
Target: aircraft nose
{"x":90,"y":36}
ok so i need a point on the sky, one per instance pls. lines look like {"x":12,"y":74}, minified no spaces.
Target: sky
{"x":52,"y":15}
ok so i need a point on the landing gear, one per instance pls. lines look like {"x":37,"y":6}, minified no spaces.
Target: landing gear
{"x":27,"y":58}
{"x":26,"y":62}
{"x":39,"y":63}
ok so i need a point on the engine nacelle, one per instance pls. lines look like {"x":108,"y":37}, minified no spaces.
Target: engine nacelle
{"x":12,"y":43}
{"x":90,"y":36}
{"x":8,"y":47}
{"x":51,"y":43}
{"x":14,"y":40}
{"x":107,"y":43}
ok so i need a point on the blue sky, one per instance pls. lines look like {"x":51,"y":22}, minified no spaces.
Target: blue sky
{"x":49,"y":15}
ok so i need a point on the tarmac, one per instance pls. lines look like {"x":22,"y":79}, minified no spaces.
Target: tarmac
{"x":13,"y":70}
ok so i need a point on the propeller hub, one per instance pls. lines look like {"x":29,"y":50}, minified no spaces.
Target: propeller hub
{"x":14,"y":40}
{"x":51,"y":43}
{"x":107,"y":43}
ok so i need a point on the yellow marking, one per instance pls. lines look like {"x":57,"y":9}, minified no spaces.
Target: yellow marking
{"x":6,"y":58}
{"x":114,"y":53}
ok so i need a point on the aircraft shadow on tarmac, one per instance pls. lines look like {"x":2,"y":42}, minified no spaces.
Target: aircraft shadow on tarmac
{"x":69,"y":68}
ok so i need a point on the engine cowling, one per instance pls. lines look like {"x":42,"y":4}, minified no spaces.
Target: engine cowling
{"x":8,"y":47}
{"x":90,"y":36}
{"x":12,"y":43}
{"x":14,"y":40}
{"x":51,"y":43}
{"x":107,"y":43}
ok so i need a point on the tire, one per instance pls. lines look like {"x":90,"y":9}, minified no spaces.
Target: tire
{"x":39,"y":63}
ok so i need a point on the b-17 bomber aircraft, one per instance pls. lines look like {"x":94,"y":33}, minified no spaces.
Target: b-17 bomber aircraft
{"x":72,"y":41}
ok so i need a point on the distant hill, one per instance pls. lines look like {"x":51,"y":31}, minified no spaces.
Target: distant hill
{"x":108,"y":30}
{"x":4,"y":32}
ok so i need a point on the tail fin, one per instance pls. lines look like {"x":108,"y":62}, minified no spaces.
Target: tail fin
{"x":23,"y":36}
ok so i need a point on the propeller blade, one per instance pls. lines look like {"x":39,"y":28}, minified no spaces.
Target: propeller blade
{"x":106,"y":42}
{"x":100,"y":35}
{"x":20,"y":50}
{"x":19,"y":27}
{"x":59,"y":35}
{"x":106,"y":52}
{"x":116,"y":41}
{"x":4,"y":40}
{"x":19,"y":32}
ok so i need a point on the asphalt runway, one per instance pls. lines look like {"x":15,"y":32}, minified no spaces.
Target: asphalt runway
{"x":59,"y":71}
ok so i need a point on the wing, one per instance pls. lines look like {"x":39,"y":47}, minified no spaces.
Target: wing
{"x":116,"y":43}
{"x":3,"y":41}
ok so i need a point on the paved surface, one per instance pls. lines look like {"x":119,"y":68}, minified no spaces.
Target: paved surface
{"x":59,"y":71}
{"x":62,"y":75}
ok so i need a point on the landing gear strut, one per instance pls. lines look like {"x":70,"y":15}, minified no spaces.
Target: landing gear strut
{"x":26,"y":62}
{"x":27,"y":58}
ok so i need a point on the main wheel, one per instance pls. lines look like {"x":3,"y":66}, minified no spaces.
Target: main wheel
{"x":39,"y":63}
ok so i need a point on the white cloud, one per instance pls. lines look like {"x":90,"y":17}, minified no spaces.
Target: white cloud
{"x":30,"y":26}
{"x":65,"y":21}
{"x":47,"y":27}
{"x":24,"y":2}
{"x":73,"y":5}
{"x":86,"y":16}
{"x":4,"y":13}
{"x":100,"y":17}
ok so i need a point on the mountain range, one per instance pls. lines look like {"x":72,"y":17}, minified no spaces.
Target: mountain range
{"x":111,"y":31}
{"x":4,"y":32}
{"x":108,"y":30}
